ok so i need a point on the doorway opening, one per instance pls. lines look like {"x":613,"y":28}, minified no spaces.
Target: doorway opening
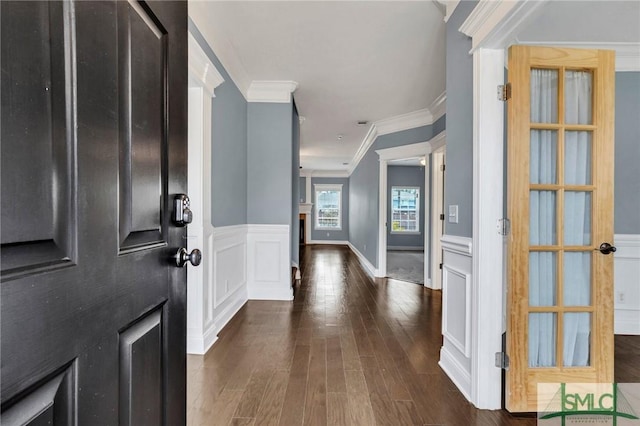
{"x":406,"y":195}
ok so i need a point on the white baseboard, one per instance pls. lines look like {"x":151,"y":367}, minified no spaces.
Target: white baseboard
{"x":329,"y":242}
{"x":368,"y":267}
{"x":456,"y":372}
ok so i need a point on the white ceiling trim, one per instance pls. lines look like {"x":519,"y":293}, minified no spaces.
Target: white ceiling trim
{"x":199,"y":12}
{"x":493,"y":24}
{"x":368,"y":140}
{"x":201,"y":67}
{"x":451,"y":7}
{"x":271,"y":91}
{"x":411,"y":120}
{"x":404,"y":151}
{"x":627,"y":54}
{"x":422,"y":117}
{"x":324,"y":174}
{"x":438,"y":107}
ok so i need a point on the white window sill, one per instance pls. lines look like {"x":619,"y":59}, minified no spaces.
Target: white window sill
{"x":406,"y":233}
{"x":327,"y":229}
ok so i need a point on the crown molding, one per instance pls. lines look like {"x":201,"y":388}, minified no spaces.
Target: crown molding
{"x":414,"y":119}
{"x":422,"y":117}
{"x":451,"y":7}
{"x":368,"y":140}
{"x":271,"y":91}
{"x":438,"y":107}
{"x":219,"y":43}
{"x":201,"y":67}
{"x":627,"y":54}
{"x":493,"y":23}
{"x":329,"y":174}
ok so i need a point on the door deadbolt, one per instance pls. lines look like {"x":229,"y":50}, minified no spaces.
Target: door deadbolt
{"x":183,"y":256}
{"x":182,"y":215}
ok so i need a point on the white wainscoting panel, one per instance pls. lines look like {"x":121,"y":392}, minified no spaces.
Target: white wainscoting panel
{"x":223,"y":289}
{"x":456,"y":351}
{"x":627,"y":284}
{"x":269,"y":264}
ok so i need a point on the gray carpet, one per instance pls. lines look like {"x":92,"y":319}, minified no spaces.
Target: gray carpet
{"x":406,"y":266}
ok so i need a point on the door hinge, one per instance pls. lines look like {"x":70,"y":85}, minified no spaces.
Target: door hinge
{"x":441,"y":266}
{"x":442,"y":167}
{"x":441,"y":216}
{"x":504,"y":226}
{"x":504,"y":92}
{"x":502,"y":360}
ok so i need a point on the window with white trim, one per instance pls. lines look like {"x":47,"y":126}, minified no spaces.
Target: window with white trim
{"x":405,"y":209}
{"x":328,"y":206}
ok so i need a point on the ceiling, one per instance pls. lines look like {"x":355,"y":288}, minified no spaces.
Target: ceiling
{"x":352,"y":60}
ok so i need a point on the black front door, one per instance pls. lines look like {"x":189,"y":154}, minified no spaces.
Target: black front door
{"x":94,"y":148}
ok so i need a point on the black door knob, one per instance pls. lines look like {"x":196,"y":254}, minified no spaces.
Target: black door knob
{"x":183,"y":256}
{"x":606,"y":248}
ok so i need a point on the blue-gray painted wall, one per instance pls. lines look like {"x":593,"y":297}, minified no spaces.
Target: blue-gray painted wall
{"x":459,"y":176}
{"x":406,"y":176}
{"x":269,"y":157}
{"x":363,"y":187}
{"x":324,"y":235}
{"x":295,"y":188}
{"x":229,"y":147}
{"x":627,"y":156}
{"x":303,"y":189}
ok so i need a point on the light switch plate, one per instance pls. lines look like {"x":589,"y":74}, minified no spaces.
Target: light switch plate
{"x":453,"y":214}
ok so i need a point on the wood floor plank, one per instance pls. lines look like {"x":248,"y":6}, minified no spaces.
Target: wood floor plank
{"x":252,"y":396}
{"x":335,"y":367}
{"x":315,"y":406}
{"x":338,"y":409}
{"x":294,"y":399}
{"x":360,"y":409}
{"x":271,"y":405}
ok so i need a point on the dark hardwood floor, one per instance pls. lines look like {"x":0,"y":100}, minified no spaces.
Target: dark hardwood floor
{"x":347,"y":351}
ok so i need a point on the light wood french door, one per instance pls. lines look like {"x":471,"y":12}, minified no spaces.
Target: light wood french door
{"x":560,"y":203}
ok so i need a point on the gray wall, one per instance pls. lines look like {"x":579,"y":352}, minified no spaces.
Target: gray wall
{"x":229,"y":147}
{"x":406,"y":176}
{"x":459,"y":176}
{"x":627,"y":157}
{"x":363,"y":187}
{"x":269,"y":156}
{"x":303,"y":189}
{"x":295,"y":187}
{"x":324,"y":235}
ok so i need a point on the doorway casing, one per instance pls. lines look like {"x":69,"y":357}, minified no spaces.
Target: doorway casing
{"x":422,"y":149}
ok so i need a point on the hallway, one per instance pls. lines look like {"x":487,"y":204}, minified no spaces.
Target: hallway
{"x":346,"y":351}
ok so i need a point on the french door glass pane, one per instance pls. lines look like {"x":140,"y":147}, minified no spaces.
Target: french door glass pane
{"x":577,"y":158}
{"x":577,"y":218}
{"x":542,"y":339}
{"x":544,"y":96}
{"x":577,"y":278}
{"x":542,"y":278}
{"x":542,"y":218}
{"x":578,"y":97}
{"x":544,"y":149}
{"x":577,"y":339}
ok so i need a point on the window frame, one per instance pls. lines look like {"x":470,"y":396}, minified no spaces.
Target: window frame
{"x":391,"y":209}
{"x":326,"y":187}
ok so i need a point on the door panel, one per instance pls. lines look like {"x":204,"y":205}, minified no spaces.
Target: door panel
{"x":106,"y":311}
{"x":37,"y":171}
{"x":142,"y":68}
{"x":560,"y":203}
